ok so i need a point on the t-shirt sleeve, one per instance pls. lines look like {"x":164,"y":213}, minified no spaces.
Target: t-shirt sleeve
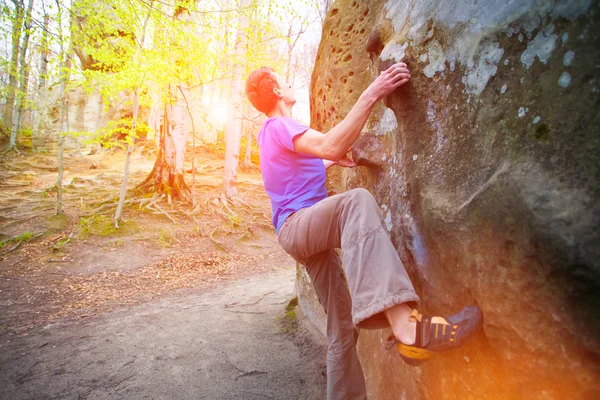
{"x":286,"y":130}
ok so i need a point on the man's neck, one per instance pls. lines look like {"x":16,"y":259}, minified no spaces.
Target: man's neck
{"x":280,"y":110}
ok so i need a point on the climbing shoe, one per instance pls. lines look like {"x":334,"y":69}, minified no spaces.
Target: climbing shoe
{"x":437,"y":334}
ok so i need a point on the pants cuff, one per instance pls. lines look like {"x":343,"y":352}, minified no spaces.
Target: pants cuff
{"x":377,"y":307}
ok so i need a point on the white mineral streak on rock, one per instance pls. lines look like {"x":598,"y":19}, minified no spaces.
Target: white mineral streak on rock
{"x":432,"y":119}
{"x":387,"y":123}
{"x":398,"y":12}
{"x":437,"y":59}
{"x":479,"y":76}
{"x":521,"y":112}
{"x":503,"y":89}
{"x":540,"y":47}
{"x":565,"y":79}
{"x":469,"y":22}
{"x":568,"y":58}
{"x":393,"y":51}
{"x":388,"y":221}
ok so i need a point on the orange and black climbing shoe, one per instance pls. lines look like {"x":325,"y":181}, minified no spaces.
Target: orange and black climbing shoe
{"x":438,"y":334}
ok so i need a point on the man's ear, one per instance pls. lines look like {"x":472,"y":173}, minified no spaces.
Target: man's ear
{"x":277,"y":92}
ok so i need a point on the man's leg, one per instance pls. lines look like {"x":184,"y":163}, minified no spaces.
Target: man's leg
{"x":376,"y":277}
{"x":345,"y":380}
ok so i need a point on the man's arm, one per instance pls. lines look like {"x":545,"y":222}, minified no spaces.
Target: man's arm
{"x":335,"y":144}
{"x":345,"y":161}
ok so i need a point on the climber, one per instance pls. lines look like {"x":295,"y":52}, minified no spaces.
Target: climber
{"x":371,"y":290}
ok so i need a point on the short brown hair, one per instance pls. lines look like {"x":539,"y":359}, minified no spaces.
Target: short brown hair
{"x":259,"y":89}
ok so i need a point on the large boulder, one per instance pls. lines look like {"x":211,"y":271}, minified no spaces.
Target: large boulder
{"x":486,"y":169}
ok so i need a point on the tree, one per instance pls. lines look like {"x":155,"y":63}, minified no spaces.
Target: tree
{"x":17,"y":24}
{"x":322,"y":7}
{"x":23,"y":78}
{"x":233,"y":130}
{"x":41,"y":88}
{"x":63,"y":119}
{"x":186,"y":52}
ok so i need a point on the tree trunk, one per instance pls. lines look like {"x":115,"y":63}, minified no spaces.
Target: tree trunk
{"x":247,"y":127}
{"x":127,"y":160}
{"x":23,"y":78}
{"x":184,"y":92}
{"x":63,"y":116}
{"x":167,"y":175}
{"x":247,"y":160}
{"x":44,"y":53}
{"x":64,"y":111}
{"x":233,"y":130}
{"x":13,"y":67}
{"x":132,"y":136}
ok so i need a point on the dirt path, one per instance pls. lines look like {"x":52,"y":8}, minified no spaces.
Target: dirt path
{"x":226,"y":343}
{"x":189,"y":305}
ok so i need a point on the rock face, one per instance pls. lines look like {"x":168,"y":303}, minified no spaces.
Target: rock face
{"x":486,"y":168}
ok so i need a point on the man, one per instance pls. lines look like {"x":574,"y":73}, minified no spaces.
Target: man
{"x":372,"y":290}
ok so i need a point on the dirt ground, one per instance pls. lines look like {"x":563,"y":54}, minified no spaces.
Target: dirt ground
{"x":181,"y":302}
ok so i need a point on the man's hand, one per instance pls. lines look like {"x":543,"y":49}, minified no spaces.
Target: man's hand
{"x":346,"y":162}
{"x":389,"y":80}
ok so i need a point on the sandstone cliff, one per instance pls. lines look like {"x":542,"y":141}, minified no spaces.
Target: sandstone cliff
{"x":486,"y":170}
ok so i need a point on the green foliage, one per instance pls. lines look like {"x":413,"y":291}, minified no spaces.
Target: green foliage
{"x":24,"y":237}
{"x":165,"y":238}
{"x":115,"y":134}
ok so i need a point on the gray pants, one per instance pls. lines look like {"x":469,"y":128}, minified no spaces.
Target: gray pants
{"x":372,"y":278}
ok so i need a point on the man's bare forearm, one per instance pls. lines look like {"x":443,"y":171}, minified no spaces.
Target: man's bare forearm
{"x":342,"y":136}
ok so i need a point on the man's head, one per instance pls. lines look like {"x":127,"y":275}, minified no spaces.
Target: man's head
{"x":265,"y":88}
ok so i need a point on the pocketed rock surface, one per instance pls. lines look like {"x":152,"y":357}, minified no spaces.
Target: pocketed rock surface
{"x":485,"y":167}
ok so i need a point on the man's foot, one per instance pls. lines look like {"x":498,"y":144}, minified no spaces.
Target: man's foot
{"x":437,"y":334}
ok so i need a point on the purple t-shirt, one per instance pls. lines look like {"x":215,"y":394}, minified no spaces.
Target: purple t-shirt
{"x":292,"y":180}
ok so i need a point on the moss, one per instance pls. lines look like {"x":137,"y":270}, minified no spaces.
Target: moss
{"x":57,"y":223}
{"x":165,"y":238}
{"x":288,"y":323}
{"x":103,"y":226}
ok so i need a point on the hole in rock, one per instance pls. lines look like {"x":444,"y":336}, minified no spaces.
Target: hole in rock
{"x":542,"y":132}
{"x":348,"y":58}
